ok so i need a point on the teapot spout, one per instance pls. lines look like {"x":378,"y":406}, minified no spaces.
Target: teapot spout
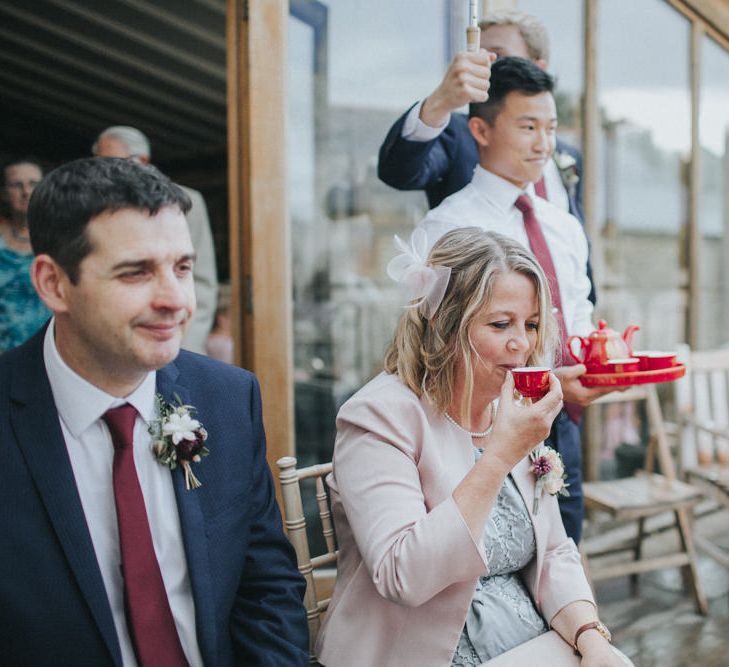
{"x":628,"y":335}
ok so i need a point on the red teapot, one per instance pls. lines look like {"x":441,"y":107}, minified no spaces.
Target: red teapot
{"x":602,"y":345}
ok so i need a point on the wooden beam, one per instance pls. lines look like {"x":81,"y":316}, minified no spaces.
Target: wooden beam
{"x":74,"y":88}
{"x":259,"y":221}
{"x":115,"y":79}
{"x":693,"y":307}
{"x":101,"y":48}
{"x":591,"y":135}
{"x":713,"y":13}
{"x":592,"y":429}
{"x":152,"y":42}
{"x":176,"y":21}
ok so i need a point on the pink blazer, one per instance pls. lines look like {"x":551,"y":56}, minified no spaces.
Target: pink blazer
{"x":408,"y":564}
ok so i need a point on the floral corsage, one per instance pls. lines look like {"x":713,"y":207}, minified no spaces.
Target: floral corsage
{"x":567,"y":166}
{"x":548,"y":468}
{"x":177,"y":438}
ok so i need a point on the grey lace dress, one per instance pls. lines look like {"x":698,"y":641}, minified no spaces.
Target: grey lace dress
{"x":502,"y":614}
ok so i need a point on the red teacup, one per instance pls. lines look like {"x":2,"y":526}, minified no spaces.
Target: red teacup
{"x":531,"y":381}
{"x":642,"y":356}
{"x":659,"y":360}
{"x":628,"y":365}
{"x":653,"y":361}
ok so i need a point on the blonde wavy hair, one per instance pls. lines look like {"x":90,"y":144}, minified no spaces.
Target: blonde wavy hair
{"x":424,"y":353}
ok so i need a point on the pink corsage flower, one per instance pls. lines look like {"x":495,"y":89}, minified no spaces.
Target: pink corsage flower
{"x":547,"y":466}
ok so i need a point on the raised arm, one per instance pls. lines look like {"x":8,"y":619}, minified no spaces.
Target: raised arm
{"x":422,"y":147}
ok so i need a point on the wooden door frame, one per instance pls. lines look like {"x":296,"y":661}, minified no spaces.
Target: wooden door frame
{"x":260,"y":257}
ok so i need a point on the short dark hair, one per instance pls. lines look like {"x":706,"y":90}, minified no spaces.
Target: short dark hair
{"x":510,"y":75}
{"x":69,"y":197}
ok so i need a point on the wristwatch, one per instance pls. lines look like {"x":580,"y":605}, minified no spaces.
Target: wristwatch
{"x":594,"y":625}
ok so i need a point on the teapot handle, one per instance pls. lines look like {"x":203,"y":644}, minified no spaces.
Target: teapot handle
{"x":583,"y":345}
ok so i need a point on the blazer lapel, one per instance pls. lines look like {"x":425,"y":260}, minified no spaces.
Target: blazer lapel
{"x":525,"y":482}
{"x":192,"y":523}
{"x":35,"y":423}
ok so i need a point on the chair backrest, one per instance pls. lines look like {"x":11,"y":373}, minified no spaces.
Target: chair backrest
{"x":295,"y":522}
{"x":702,"y":406}
{"x":658,"y":446}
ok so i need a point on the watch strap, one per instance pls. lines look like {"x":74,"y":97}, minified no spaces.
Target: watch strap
{"x":593,"y":625}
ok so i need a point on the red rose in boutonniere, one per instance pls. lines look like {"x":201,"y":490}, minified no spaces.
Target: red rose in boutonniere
{"x":178,"y":438}
{"x":547,"y":466}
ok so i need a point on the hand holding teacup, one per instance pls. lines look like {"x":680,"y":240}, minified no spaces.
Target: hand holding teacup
{"x":531,"y":381}
{"x":519,"y":427}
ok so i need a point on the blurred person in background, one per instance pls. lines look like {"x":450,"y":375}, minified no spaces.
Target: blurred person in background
{"x":430,"y":147}
{"x":219,"y":344}
{"x":22,"y":312}
{"x":129,"y":142}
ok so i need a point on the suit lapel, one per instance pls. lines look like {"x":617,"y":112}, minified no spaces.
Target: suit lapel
{"x":526,"y":483}
{"x":192,"y":524}
{"x":35,"y":423}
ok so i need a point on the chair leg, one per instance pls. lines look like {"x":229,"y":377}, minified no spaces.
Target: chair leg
{"x":637,"y":554}
{"x":691,"y":575}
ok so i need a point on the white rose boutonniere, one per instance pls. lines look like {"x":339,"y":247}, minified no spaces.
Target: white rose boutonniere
{"x":548,"y":468}
{"x":567,"y":166}
{"x":178,"y":438}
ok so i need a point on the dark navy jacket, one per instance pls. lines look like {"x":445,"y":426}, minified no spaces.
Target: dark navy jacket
{"x":245,"y":584}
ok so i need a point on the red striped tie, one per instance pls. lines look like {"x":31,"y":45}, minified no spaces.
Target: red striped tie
{"x":151,"y":625}
{"x":539,"y":247}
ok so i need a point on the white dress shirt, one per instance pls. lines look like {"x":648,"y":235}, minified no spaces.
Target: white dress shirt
{"x":80,"y":407}
{"x":488,"y":202}
{"x":414,"y":129}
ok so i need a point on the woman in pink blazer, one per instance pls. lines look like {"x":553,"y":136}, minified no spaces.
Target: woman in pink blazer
{"x":443,"y":559}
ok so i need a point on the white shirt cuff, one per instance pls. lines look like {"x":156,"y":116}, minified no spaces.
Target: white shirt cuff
{"x":414,"y":129}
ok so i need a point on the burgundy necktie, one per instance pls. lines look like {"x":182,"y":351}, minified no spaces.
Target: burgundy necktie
{"x":151,"y":625}
{"x":539,"y":247}
{"x":540,"y":188}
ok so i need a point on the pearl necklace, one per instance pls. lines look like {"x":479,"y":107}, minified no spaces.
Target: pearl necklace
{"x":473,"y":434}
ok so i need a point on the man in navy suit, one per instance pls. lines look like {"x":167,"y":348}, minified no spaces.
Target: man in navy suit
{"x":110,"y":556}
{"x":430,"y":146}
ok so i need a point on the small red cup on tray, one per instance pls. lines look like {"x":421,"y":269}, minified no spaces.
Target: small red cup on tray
{"x":653,"y":361}
{"x":627,"y":365}
{"x":531,"y":381}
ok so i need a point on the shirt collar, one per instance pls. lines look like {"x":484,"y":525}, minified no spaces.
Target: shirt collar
{"x":498,"y":190}
{"x":80,"y":403}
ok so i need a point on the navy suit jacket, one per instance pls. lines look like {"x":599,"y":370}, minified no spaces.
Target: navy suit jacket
{"x":245,"y":584}
{"x":445,"y":165}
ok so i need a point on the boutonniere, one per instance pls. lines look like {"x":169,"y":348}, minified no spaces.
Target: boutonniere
{"x":548,"y":468}
{"x":567,"y":166}
{"x":177,"y":438}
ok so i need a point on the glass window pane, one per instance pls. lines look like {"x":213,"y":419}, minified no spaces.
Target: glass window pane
{"x":563,"y":21}
{"x":713,"y":203}
{"x":644,"y":104}
{"x":354,"y":67}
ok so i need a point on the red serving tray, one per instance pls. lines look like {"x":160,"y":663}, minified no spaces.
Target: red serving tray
{"x":636,"y":377}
